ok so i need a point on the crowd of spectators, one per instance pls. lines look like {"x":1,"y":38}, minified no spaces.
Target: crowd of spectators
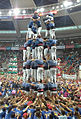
{"x":19,"y":103}
{"x":70,"y":61}
{"x":5,"y":57}
{"x":69,"y":41}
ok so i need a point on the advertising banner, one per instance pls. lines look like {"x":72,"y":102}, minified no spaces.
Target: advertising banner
{"x":78,"y":46}
{"x":14,"y":48}
{"x":2,"y":48}
{"x":21,"y":48}
{"x":8,"y":48}
{"x":5,"y":17}
{"x":66,"y":76}
{"x":69,"y":46}
{"x":61,"y":47}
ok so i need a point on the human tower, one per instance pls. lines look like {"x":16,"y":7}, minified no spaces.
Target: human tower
{"x":39,"y":56}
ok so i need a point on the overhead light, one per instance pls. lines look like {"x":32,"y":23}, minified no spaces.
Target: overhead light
{"x":16,"y":11}
{"x":67,"y":3}
{"x":53,"y":7}
{"x":0,"y":12}
{"x":38,"y":10}
{"x":42,"y":10}
{"x":24,"y":11}
{"x":78,"y":0}
{"x":57,"y":7}
{"x":61,"y":6}
{"x":10,"y":12}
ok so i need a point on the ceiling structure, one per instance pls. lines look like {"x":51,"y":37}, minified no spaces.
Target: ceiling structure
{"x":65,"y":18}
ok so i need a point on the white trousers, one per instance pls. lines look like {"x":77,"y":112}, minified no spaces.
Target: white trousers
{"x":33,"y":53}
{"x":36,"y":52}
{"x":24,"y":55}
{"x":34,"y":35}
{"x":34,"y":74}
{"x":39,"y":73}
{"x":39,"y":52}
{"x":47,"y":33}
{"x":46,"y":74}
{"x":53,"y":52}
{"x":45,"y":52}
{"x":29,"y":33}
{"x":28,"y":73}
{"x":24,"y":75}
{"x":39,"y":30}
{"x":53,"y":75}
{"x":28,"y":53}
{"x":52,"y":34}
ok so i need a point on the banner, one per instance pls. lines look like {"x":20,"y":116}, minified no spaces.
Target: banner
{"x":21,"y":48}
{"x":69,"y":46}
{"x":61,"y":47}
{"x":14,"y":48}
{"x":66,"y":76}
{"x":8,"y":48}
{"x":5,"y":17}
{"x":2,"y":48}
{"x":78,"y":46}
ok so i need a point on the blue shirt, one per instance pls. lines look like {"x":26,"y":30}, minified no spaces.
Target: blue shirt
{"x":52,"y":42}
{"x":28,"y":43}
{"x":8,"y":115}
{"x":38,"y":41}
{"x":39,"y":62}
{"x":79,"y":110}
{"x":20,"y":112}
{"x":34,"y":65}
{"x":51,"y":63}
{"x":31,"y":113}
{"x":2,"y":114}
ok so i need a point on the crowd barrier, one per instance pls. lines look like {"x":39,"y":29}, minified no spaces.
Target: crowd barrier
{"x":58,"y":47}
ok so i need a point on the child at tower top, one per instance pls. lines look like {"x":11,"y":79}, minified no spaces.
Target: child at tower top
{"x":35,"y":21}
{"x":50,"y":25}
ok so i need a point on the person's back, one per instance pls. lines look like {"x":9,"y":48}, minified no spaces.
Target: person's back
{"x":2,"y":113}
{"x":8,"y":113}
{"x":13,"y":116}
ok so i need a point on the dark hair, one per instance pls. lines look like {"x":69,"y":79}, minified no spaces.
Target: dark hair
{"x":51,"y":116}
{"x":45,"y":38}
{"x":38,"y":114}
{"x":31,"y":106}
{"x":76,"y":108}
{"x":56,"y":102}
{"x":1,"y":103}
{"x":63,"y":112}
{"x":13,"y":115}
{"x":38,"y":109}
{"x":4,"y":109}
